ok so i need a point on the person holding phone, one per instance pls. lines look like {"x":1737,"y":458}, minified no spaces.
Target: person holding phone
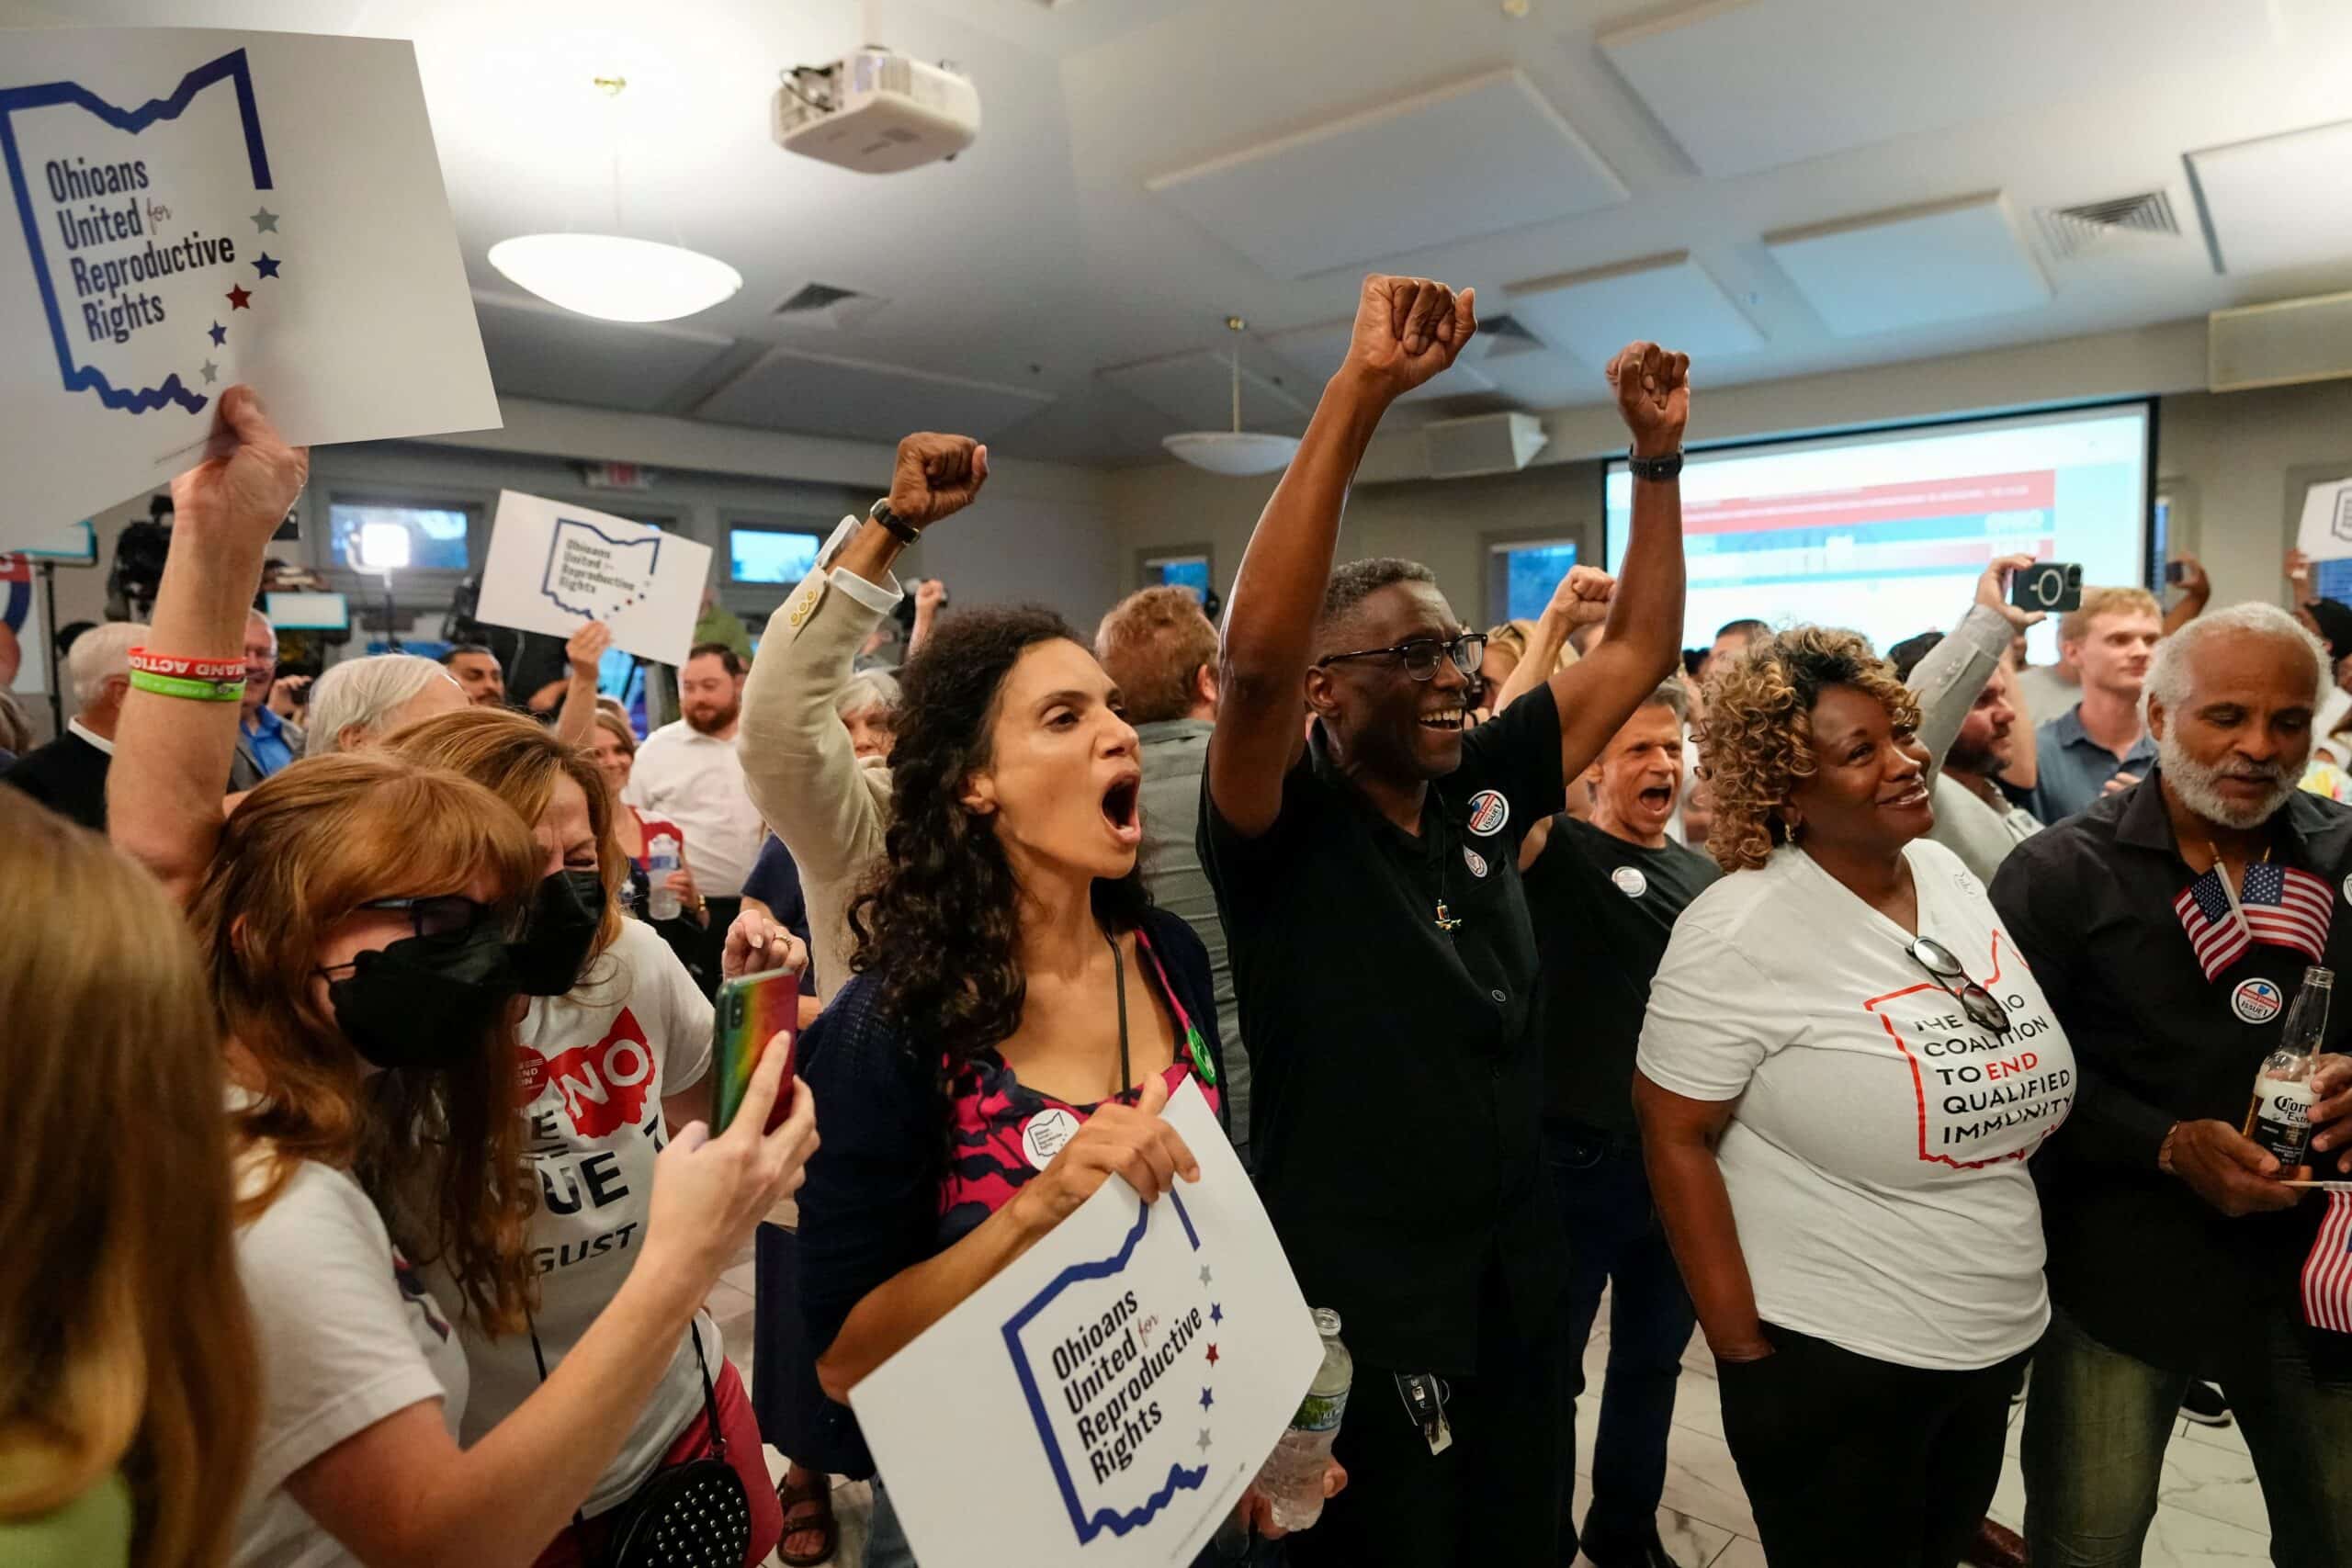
{"x":1011,"y":985}
{"x":364,"y":920}
{"x":1844,"y":1069}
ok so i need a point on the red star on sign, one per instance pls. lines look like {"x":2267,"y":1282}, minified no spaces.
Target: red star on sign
{"x":237,"y":299}
{"x":1212,"y":1355}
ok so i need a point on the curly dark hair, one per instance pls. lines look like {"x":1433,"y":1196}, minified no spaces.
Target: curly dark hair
{"x":938,"y":921}
{"x":1757,"y":740}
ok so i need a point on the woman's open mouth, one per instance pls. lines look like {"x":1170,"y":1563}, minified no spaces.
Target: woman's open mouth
{"x":1123,"y":808}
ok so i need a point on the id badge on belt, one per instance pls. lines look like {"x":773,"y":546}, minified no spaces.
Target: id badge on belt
{"x":1424,"y":1396}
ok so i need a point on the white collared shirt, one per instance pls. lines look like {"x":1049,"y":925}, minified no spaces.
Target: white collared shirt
{"x":92,"y":736}
{"x":697,"y":780}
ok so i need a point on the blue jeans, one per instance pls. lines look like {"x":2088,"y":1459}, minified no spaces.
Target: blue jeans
{"x":2097,"y":1421}
{"x":1614,"y":1235}
{"x":885,"y":1543}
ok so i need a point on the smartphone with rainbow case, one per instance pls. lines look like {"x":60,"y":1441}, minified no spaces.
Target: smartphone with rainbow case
{"x":752,"y":1011}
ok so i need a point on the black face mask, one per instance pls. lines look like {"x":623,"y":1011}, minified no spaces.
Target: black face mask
{"x":425,"y":1002}
{"x":563,"y":924}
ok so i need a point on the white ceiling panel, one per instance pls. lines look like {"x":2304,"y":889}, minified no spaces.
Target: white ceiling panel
{"x":1316,"y":352}
{"x":1746,"y":85}
{"x":1948,"y":262}
{"x":1196,"y":388}
{"x":1668,"y":299}
{"x":2277,"y":201}
{"x":538,"y":351}
{"x":821,"y":395}
{"x":1473,"y":158}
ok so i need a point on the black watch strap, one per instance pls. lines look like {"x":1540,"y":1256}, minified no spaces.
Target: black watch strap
{"x":897,"y":527}
{"x":1654,"y":469}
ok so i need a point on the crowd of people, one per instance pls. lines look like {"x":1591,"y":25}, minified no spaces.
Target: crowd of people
{"x":1858,"y":1011}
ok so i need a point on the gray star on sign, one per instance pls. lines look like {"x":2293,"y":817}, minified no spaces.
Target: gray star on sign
{"x":1205,"y":1440}
{"x":1204,"y":1273}
{"x":266,"y":221}
{"x":211,"y":372}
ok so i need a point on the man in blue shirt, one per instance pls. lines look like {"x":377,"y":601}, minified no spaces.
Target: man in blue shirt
{"x":266,"y":741}
{"x":2102,"y":743}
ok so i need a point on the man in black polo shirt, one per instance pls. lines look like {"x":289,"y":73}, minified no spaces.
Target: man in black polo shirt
{"x":1605,"y":895}
{"x":2175,"y":1252}
{"x":1383,"y":954}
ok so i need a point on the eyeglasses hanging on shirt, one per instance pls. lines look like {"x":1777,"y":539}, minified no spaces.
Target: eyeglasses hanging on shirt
{"x":1946,"y":972}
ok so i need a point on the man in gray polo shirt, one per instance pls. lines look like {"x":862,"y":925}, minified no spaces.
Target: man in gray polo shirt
{"x":2102,"y":743}
{"x":1161,"y":649}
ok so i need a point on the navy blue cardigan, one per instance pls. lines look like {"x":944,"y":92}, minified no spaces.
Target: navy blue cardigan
{"x":869,"y":1209}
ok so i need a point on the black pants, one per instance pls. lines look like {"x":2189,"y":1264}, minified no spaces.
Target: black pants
{"x":1493,"y":1497}
{"x":714,"y":943}
{"x":1854,"y":1463}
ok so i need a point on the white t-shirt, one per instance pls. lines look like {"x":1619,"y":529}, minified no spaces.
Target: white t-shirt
{"x":697,"y":780}
{"x":348,"y":1334}
{"x":1876,"y":1157}
{"x":595,"y":1066}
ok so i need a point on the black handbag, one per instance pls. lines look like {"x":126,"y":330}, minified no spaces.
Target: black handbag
{"x":693,"y":1514}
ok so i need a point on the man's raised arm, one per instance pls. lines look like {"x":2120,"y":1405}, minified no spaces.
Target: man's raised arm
{"x":1407,"y":330}
{"x":1642,"y":642}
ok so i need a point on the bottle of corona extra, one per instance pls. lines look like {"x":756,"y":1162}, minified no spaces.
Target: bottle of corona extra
{"x":2281,"y":1118}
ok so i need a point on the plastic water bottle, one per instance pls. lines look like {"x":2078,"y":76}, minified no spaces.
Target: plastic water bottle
{"x":1292,"y":1478}
{"x":661,"y":860}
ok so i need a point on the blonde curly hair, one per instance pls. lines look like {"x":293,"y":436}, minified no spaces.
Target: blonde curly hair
{"x":1756,"y":743}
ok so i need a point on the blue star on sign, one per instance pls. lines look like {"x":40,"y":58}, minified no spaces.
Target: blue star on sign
{"x":1217,"y":1313}
{"x":220,"y":334}
{"x":265,"y":265}
{"x":1207,"y":1398}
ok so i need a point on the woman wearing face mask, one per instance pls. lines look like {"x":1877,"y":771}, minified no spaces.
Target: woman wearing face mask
{"x":616,"y":1041}
{"x":1008,"y":971}
{"x":1844,"y":1067}
{"x":356,"y":915}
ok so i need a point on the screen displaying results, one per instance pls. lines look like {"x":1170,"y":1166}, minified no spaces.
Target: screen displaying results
{"x":1885,"y":533}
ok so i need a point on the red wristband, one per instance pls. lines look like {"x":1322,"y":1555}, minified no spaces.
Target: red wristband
{"x":181,"y":669}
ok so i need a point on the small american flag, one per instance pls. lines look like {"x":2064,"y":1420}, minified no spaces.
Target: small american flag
{"x":2277,"y":904}
{"x":2327,"y":1273}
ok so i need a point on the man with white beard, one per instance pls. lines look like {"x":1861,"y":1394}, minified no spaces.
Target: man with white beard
{"x":2170,"y":925}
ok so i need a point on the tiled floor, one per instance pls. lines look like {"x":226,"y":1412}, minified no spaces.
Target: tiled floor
{"x":2210,"y":1515}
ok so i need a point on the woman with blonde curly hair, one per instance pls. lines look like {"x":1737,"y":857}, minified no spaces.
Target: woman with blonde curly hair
{"x":1844,"y":1069}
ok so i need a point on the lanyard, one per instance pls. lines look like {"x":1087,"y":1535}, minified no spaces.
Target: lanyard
{"x":1119,"y":977}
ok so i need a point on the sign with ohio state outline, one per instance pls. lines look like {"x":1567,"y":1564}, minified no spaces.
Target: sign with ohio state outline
{"x":190,"y":209}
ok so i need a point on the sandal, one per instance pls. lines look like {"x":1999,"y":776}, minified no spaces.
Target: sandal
{"x":807,"y":1510}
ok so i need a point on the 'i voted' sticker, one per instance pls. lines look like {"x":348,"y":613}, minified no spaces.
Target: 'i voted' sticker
{"x":1043,"y":1135}
{"x":1475,"y":861}
{"x":1630,"y":881}
{"x":2257,"y":1001}
{"x":1488,"y":812}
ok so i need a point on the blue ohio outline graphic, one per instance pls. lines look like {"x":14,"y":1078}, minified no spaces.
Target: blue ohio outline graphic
{"x":546,"y":573}
{"x":1180,"y":1478}
{"x":231,"y":67}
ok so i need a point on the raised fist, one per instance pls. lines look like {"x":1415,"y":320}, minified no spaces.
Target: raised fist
{"x":1653,"y":396}
{"x":930,"y":596}
{"x":1409,"y":329}
{"x":1583,"y":596}
{"x":586,"y":646}
{"x":937,"y":477}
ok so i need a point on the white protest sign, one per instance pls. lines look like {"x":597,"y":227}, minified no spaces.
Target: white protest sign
{"x":2327,"y":530}
{"x":554,"y":567}
{"x":190,"y":209}
{"x":1105,"y":1399}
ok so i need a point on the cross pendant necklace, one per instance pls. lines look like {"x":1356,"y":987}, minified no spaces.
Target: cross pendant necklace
{"x":1445,"y":922}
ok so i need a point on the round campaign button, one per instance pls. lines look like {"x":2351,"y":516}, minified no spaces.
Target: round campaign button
{"x":1500,"y":997}
{"x":1488,"y":812}
{"x":2257,"y":1001}
{"x":1043,"y":1135}
{"x":531,"y":1075}
{"x":1630,"y":881}
{"x":1476,"y":862}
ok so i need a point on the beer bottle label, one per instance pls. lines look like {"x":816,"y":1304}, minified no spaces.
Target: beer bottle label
{"x":2283,"y":1118}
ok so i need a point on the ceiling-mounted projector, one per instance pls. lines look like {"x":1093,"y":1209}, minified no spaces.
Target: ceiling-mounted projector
{"x":877,"y":112}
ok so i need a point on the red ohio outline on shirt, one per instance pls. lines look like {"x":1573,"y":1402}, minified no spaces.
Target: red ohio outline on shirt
{"x":1918,"y":1085}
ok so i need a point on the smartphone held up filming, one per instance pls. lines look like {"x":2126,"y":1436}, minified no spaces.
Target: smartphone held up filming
{"x":753,"y":1011}
{"x":2051,"y":587}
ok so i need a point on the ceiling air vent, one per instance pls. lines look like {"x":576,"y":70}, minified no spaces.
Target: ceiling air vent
{"x":1508,"y":335}
{"x":2071,"y":232}
{"x":824,"y":305}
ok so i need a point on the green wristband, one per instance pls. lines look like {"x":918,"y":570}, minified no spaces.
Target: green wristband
{"x":193,"y":691}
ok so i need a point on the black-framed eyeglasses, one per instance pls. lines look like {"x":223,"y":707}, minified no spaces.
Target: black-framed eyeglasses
{"x":1423,"y":654}
{"x":1946,"y":971}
